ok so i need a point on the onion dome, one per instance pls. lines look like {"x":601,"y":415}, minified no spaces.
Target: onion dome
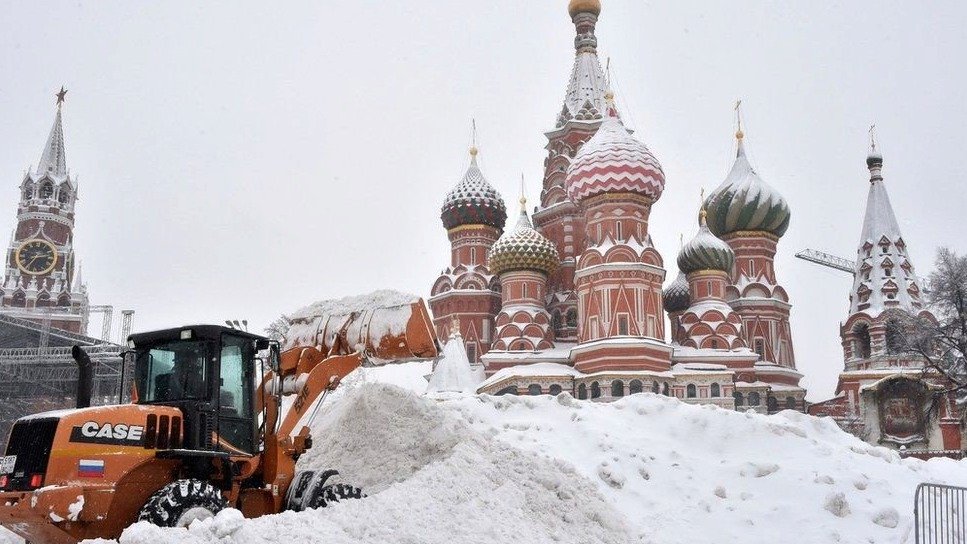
{"x":584,"y":6}
{"x":613,"y":161}
{"x":677,"y":296}
{"x":473,"y":201}
{"x":523,"y":249}
{"x":744,"y":202}
{"x":705,"y":252}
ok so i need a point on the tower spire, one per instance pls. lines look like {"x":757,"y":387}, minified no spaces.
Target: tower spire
{"x":53,"y":160}
{"x":584,"y":99}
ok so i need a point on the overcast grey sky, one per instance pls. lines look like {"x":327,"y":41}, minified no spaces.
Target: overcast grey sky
{"x":239,"y":160}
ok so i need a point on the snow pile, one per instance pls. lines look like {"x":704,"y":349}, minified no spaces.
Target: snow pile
{"x":683,"y":473}
{"x":646,"y":469}
{"x":453,"y":373}
{"x":432,"y":479}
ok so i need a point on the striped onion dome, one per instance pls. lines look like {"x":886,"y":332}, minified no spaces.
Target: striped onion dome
{"x":613,"y":161}
{"x":523,"y":249}
{"x":705,"y":252}
{"x":744,"y":202}
{"x":677,"y":296}
{"x":473,"y":201}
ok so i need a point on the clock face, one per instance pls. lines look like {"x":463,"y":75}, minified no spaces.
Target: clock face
{"x":36,"y":256}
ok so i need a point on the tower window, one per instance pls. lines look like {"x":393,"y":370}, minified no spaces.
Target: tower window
{"x":751,"y":267}
{"x":46,"y":190}
{"x":760,"y":347}
{"x":690,"y":391}
{"x":472,"y":353}
{"x":716,"y":391}
{"x":63,"y":197}
{"x":28,"y":191}
{"x":708,"y":286}
{"x":524,"y":291}
{"x":623,"y":325}
{"x":473,"y":255}
{"x":618,"y":230}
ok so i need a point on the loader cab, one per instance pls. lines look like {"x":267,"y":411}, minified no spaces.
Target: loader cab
{"x":210,"y":373}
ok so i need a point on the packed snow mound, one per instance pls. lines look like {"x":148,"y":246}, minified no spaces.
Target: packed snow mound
{"x":646,"y":469}
{"x":453,"y":373}
{"x":683,"y":473}
{"x":432,"y":479}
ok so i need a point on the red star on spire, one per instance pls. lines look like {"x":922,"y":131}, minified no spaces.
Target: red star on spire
{"x":61,"y":95}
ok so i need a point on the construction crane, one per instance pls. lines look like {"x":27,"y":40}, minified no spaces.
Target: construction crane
{"x":827,"y":260}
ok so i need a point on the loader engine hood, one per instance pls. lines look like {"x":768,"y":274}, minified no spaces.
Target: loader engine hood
{"x":92,"y":445}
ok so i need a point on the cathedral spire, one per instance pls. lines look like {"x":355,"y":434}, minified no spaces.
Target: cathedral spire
{"x":53,"y":160}
{"x":884,"y":276}
{"x":584,"y":100}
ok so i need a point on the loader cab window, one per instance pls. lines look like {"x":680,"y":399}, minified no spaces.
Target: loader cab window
{"x":235,"y":425}
{"x":173,"y":371}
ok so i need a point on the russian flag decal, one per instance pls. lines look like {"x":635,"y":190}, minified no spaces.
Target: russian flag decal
{"x":90,"y":468}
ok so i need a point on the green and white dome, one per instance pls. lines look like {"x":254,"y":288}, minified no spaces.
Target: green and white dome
{"x":705,"y":252}
{"x":744,"y":202}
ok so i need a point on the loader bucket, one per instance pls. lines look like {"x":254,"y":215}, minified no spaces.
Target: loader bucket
{"x":386,"y":326}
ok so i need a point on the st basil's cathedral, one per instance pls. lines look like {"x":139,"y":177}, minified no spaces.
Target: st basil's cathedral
{"x":570,"y":298}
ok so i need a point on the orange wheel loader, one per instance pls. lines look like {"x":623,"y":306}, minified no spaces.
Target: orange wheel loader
{"x":207,"y":428}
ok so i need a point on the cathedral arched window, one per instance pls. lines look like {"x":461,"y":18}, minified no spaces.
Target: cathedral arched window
{"x":582,"y":391}
{"x":716,"y":391}
{"x":64,"y":300}
{"x":691,"y":391}
{"x":64,"y":196}
{"x":739,"y":399}
{"x":635,"y":387}
{"x":617,"y":388}
{"x":773,"y":404}
{"x":555,"y":390}
{"x":28,"y":191}
{"x":790,"y":403}
{"x":533,"y":389}
{"x":861,"y":346}
{"x":46,"y":190}
{"x":19,"y":299}
{"x":754,"y":399}
{"x":665,"y":390}
{"x":43,"y":299}
{"x":595,"y":390}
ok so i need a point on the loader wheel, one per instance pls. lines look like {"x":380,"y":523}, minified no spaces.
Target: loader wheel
{"x":326,"y":495}
{"x":182,"y":502}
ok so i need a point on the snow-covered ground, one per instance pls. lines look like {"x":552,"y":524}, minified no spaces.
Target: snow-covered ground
{"x":647,"y":469}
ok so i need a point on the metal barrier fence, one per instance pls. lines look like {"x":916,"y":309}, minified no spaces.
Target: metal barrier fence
{"x":939,"y":514}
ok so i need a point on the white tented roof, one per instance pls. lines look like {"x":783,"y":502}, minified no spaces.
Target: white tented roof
{"x":453,"y":374}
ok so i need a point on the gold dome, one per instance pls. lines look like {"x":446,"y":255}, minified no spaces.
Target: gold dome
{"x":582,"y":6}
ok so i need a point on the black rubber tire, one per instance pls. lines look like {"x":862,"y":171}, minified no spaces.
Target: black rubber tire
{"x":167,"y":506}
{"x":326,"y":495}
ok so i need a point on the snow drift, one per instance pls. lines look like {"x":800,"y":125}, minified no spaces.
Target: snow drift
{"x":646,"y":469}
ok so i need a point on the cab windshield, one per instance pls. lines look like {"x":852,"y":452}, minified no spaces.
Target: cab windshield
{"x":172,"y":371}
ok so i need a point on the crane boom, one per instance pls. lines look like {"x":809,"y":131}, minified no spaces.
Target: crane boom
{"x":827,"y":260}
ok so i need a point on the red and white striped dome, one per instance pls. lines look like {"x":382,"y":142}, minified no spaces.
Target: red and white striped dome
{"x":613,"y":161}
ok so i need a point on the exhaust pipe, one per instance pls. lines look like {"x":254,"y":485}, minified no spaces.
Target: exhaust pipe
{"x":85,"y":378}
